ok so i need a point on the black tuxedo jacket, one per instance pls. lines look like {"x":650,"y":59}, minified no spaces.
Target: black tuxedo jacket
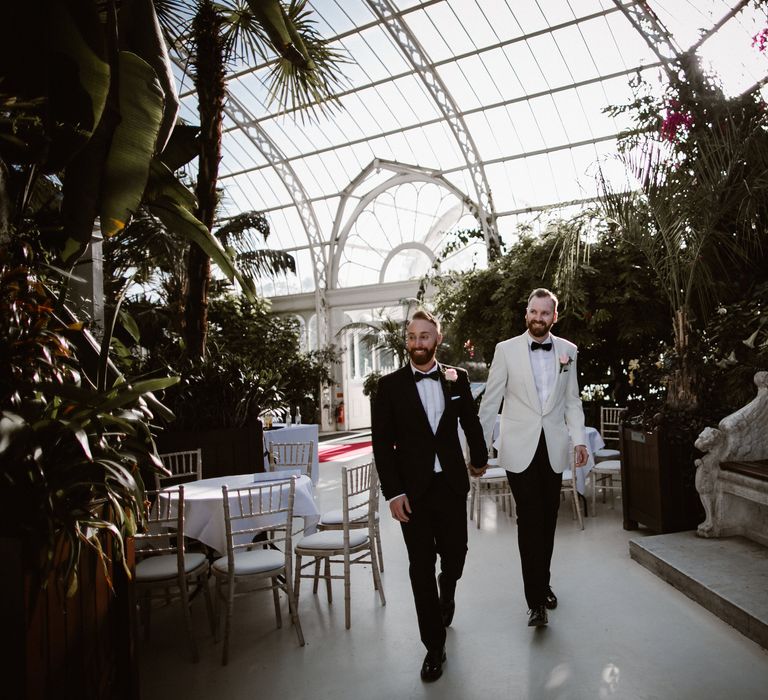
{"x":404,"y":445}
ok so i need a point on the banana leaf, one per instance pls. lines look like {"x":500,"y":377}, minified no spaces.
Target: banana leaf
{"x":126,"y":170}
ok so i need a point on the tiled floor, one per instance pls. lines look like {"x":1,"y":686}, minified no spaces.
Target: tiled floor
{"x":619,"y":632}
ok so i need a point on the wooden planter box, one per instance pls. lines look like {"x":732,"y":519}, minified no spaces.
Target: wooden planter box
{"x":59,"y":647}
{"x":224,"y":451}
{"x":658,"y":482}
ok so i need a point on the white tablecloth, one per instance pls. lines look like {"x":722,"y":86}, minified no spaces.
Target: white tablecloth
{"x":305,"y":432}
{"x":204,"y":508}
{"x":594,"y":442}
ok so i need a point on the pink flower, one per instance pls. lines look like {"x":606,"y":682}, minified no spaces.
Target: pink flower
{"x":675,"y":120}
{"x":565,"y":359}
{"x":451,"y":375}
{"x":760,"y":40}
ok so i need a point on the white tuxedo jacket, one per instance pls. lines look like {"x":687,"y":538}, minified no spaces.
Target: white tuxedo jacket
{"x":523,"y":417}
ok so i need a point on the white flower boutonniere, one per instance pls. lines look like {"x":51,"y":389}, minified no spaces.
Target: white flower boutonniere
{"x":565,"y":361}
{"x":451,"y":375}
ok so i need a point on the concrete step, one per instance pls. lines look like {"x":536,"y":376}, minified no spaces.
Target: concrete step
{"x":728,"y":577}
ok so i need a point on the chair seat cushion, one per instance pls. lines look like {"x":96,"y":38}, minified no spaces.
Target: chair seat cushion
{"x":332,"y":539}
{"x":255,"y":561}
{"x":607,"y":453}
{"x":494,"y":473}
{"x":609,"y":465}
{"x":336,"y":517}
{"x":163,"y":566}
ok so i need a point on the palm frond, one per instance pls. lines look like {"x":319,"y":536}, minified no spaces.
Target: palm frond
{"x":312,"y":80}
{"x":175,"y":17}
{"x":256,"y":263}
{"x":241,"y":224}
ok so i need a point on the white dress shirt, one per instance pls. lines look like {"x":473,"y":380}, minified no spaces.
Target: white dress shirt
{"x":433,"y":400}
{"x":544,"y":369}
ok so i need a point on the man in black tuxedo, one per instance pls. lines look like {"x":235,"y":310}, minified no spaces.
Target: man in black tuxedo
{"x":424,"y":476}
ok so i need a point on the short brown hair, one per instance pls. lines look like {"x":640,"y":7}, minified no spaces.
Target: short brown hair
{"x":424,"y":315}
{"x":543,"y":293}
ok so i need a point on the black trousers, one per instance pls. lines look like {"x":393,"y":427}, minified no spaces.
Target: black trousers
{"x":437,"y":526}
{"x":537,"y":500}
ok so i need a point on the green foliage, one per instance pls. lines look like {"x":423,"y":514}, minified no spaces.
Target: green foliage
{"x":614,"y":310}
{"x":254,"y":364}
{"x":371,"y":384}
{"x":695,"y":207}
{"x":72,"y":453}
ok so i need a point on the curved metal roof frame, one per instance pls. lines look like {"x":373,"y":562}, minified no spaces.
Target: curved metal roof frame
{"x":447,"y":105}
{"x":402,"y":173}
{"x":313,"y":189}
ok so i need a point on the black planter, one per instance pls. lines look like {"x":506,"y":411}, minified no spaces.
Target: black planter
{"x":225,"y":451}
{"x":658,"y":482}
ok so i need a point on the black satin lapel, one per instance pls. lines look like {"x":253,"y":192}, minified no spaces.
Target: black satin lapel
{"x":412,"y":396}
{"x":448,"y":407}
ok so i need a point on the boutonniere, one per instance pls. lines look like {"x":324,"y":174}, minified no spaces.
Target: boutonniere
{"x":451,"y":375}
{"x":565,"y":360}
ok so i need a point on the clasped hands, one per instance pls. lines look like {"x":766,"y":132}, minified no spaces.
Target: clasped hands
{"x":477,"y":471}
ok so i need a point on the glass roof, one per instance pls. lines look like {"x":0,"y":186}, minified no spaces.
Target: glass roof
{"x":506,"y":95}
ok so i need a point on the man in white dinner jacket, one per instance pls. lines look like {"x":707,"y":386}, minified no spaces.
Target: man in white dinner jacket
{"x":535,"y":374}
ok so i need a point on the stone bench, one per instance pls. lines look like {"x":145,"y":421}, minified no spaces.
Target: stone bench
{"x":732,"y":476}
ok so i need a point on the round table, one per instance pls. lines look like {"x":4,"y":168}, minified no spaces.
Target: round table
{"x":204,"y":506}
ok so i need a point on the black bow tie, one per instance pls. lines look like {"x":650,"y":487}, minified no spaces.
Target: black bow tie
{"x":434,"y":374}
{"x":540,"y":346}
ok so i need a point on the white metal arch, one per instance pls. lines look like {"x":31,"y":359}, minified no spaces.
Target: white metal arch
{"x":415,"y":54}
{"x":411,"y":245}
{"x":402,"y":173}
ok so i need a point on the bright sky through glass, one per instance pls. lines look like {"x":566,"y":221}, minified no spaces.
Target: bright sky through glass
{"x":529,"y":79}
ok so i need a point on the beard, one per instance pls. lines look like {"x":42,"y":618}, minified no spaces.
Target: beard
{"x":422,"y":356}
{"x":538,"y":329}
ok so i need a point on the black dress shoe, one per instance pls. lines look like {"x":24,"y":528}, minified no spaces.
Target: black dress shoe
{"x":432,"y":668}
{"x":538,"y":616}
{"x":550,"y":601}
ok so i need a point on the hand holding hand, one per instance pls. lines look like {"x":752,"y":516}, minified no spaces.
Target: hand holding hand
{"x":477,"y":471}
{"x":400,"y":508}
{"x":581,"y":455}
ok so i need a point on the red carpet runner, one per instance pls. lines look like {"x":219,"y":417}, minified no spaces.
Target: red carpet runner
{"x":344,"y":452}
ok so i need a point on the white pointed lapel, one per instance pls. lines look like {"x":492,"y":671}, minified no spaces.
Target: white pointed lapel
{"x":558,"y":348}
{"x":522,"y":359}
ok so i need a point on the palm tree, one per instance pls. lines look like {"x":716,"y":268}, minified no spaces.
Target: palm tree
{"x":148,"y":255}
{"x":305,"y":73}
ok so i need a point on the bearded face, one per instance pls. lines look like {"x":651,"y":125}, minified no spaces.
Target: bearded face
{"x":540,"y":317}
{"x":422,"y":340}
{"x":423,"y":354}
{"x":538,"y":329}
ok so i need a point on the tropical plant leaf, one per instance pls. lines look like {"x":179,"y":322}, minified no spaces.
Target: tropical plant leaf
{"x":183,"y":146}
{"x":179,"y":220}
{"x":133,"y":142}
{"x":308,"y":72}
{"x":138,"y":22}
{"x":79,"y":77}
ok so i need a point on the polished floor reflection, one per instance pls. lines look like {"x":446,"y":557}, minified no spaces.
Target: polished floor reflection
{"x":619,"y":632}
